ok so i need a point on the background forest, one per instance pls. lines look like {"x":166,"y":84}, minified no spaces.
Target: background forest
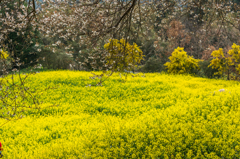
{"x":197,"y":32}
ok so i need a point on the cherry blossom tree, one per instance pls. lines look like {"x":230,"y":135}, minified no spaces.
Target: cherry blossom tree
{"x":17,"y":26}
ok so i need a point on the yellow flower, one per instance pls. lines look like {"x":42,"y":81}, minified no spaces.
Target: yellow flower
{"x":3,"y":54}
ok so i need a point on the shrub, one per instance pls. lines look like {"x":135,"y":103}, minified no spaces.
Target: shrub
{"x":235,"y":53}
{"x":226,"y":64}
{"x":181,"y":63}
{"x":58,"y":60}
{"x":153,"y":65}
{"x":122,"y":56}
{"x":220,"y":62}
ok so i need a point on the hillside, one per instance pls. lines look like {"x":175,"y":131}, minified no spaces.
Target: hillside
{"x":154,"y":116}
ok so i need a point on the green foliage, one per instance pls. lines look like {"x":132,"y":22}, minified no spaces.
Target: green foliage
{"x":181,"y":63}
{"x":23,"y":48}
{"x":58,"y":60}
{"x":20,"y":42}
{"x":85,"y":58}
{"x":153,"y":65}
{"x":147,"y":45}
{"x":206,"y":71}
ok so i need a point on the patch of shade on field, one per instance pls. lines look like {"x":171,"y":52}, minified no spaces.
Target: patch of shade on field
{"x":157,"y":116}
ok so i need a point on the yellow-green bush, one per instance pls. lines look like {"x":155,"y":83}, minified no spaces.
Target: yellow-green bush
{"x":224,"y":63}
{"x":181,"y":63}
{"x":220,"y":62}
{"x":122,"y":55}
{"x":157,"y":116}
{"x":235,"y":53}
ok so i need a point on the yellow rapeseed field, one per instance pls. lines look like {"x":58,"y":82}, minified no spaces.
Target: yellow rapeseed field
{"x":157,"y":116}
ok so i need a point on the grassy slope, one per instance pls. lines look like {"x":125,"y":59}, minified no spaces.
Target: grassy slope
{"x":154,"y":116}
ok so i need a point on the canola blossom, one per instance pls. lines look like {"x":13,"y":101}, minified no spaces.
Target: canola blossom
{"x":3,"y":54}
{"x":154,"y":116}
